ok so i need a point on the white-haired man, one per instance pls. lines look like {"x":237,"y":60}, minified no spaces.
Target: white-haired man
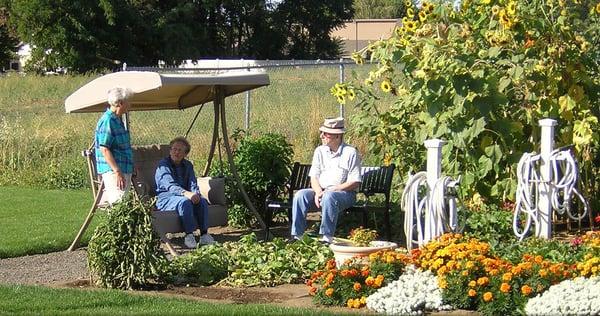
{"x":334,"y":178}
{"x":114,"y":156}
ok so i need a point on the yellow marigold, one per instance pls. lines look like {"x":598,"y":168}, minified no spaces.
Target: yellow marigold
{"x":472,"y":283}
{"x":350,"y":303}
{"x":377,"y":283}
{"x":507,"y":277}
{"x":526,"y":290}
{"x":329,"y":291}
{"x":470,"y":265}
{"x":472,"y":293}
{"x":483,"y":281}
{"x":386,"y":86}
{"x":488,"y":296}
{"x":356,"y":303}
{"x":465,"y":273}
{"x":504,"y":287}
{"x":543,"y":273}
{"x":369,"y":281}
{"x":357,"y":286}
{"x":442,"y":283}
{"x":538,"y":259}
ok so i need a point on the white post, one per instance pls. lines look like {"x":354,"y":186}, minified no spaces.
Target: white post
{"x":544,"y":188}
{"x":434,"y":167}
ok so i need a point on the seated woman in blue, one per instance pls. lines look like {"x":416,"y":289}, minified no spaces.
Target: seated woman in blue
{"x":177,"y":189}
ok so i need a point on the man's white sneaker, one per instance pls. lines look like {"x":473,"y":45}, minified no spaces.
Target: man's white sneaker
{"x":190,"y":241}
{"x":206,"y":239}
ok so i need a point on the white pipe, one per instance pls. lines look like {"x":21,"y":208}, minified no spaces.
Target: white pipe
{"x":434,"y":167}
{"x":545,"y":187}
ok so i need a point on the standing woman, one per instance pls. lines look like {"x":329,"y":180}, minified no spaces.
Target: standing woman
{"x":177,"y":189}
{"x":114,"y":156}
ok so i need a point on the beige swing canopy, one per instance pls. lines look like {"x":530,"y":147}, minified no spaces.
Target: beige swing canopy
{"x":161,"y":91}
{"x":164,"y":91}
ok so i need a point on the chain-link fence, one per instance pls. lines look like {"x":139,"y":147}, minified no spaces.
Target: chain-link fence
{"x":294,"y":104}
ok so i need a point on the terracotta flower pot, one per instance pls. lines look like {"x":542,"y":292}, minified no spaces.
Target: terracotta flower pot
{"x":346,"y":250}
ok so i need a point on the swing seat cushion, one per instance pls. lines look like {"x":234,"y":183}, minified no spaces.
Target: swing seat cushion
{"x":146,"y":159}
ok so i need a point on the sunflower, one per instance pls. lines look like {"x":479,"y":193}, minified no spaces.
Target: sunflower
{"x":422,"y":16}
{"x":495,"y":10}
{"x":410,"y":26}
{"x":511,"y":8}
{"x":410,"y":13}
{"x":486,"y":1}
{"x":598,"y":8}
{"x":341,"y":99}
{"x":351,"y":94}
{"x":386,"y":86}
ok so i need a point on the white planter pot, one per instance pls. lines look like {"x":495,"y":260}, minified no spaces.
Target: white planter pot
{"x":345,"y":250}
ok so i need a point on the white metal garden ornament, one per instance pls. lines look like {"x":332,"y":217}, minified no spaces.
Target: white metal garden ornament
{"x":546,"y":182}
{"x":429,"y":209}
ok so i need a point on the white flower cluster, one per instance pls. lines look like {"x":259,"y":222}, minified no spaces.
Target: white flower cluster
{"x":412,"y":294}
{"x":580,"y":296}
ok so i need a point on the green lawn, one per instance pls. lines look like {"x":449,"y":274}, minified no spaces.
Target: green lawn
{"x":38,"y":300}
{"x":41,"y":221}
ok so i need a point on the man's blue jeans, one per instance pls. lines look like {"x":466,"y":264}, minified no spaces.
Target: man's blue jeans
{"x":332,"y":202}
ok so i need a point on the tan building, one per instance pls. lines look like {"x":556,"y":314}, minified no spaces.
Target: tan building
{"x":357,"y":34}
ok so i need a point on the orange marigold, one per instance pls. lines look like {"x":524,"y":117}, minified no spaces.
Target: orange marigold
{"x":472,"y":293}
{"x":504,"y":287}
{"x":472,"y":283}
{"x":369,"y":281}
{"x":357,"y":286}
{"x":329,"y":291}
{"x":507,"y":276}
{"x":483,"y":281}
{"x":488,"y":296}
{"x":526,"y":290}
{"x":312,"y":290}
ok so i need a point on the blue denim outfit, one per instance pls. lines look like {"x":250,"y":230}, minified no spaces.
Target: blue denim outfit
{"x":171,"y":182}
{"x":331,"y":169}
{"x":111,"y":133}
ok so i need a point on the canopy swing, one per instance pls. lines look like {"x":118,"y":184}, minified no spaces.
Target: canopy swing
{"x":162,"y":91}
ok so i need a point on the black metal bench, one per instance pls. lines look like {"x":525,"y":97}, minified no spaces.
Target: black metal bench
{"x":375,"y":180}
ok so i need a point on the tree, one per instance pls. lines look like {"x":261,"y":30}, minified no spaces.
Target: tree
{"x":8,"y":44}
{"x":308,"y":23}
{"x":378,"y":9}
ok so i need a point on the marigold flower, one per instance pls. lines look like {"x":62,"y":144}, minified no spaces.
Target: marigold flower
{"x":483,"y":281}
{"x":472,"y":293}
{"x":357,"y":286}
{"x":507,"y":276}
{"x":543,"y":273}
{"x":472,"y":283}
{"x":526,"y":290}
{"x":538,"y":259}
{"x":350,"y":303}
{"x":465,"y":273}
{"x":505,"y":287}
{"x":312,"y":290}
{"x":369,"y":281}
{"x":488,"y":296}
{"x":329,"y":291}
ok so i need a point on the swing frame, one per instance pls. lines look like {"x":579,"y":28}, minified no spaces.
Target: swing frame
{"x":165,"y":91}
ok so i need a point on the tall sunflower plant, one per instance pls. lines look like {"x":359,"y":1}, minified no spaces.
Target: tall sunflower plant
{"x":481,"y":75}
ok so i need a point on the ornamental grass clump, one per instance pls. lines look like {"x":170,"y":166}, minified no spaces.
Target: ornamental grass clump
{"x":414,"y":293}
{"x":579,"y":296}
{"x":350,"y":284}
{"x":124,"y":252}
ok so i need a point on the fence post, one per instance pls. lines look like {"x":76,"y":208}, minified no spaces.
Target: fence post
{"x":434,"y":170}
{"x":544,"y":188}
{"x":341,"y":81}
{"x":247,"y":111}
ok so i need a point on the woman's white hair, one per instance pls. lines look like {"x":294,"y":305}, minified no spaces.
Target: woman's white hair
{"x":118,"y":94}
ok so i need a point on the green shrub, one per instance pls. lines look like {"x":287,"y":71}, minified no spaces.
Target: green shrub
{"x":65,"y":174}
{"x":263,"y":163}
{"x":124,"y":251}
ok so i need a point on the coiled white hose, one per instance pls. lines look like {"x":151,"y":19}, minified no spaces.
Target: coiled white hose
{"x":426,"y":212}
{"x":564,"y":181}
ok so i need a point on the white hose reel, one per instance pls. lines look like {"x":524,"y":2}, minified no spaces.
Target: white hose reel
{"x":562,"y":186}
{"x":429,"y":201}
